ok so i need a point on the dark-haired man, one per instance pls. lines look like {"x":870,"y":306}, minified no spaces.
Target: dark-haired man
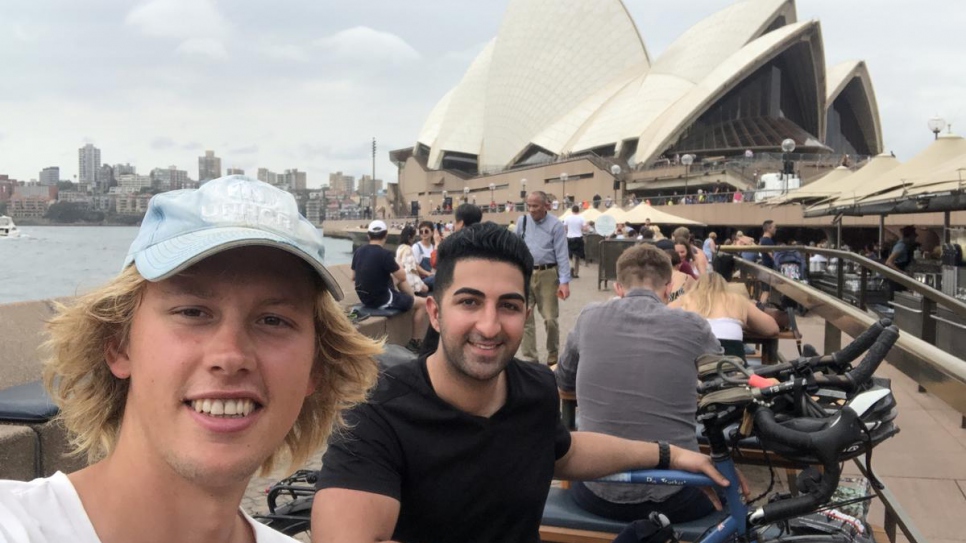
{"x":575,"y":226}
{"x":462,"y":445}
{"x":377,"y":276}
{"x":768,"y":229}
{"x":466,"y":215}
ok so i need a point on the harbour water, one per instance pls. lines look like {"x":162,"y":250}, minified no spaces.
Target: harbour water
{"x":53,"y":261}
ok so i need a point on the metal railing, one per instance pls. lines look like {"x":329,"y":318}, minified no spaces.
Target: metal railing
{"x":943,"y":374}
{"x":867,"y":268}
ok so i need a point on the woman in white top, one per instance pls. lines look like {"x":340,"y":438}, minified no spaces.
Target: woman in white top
{"x":423,"y":250}
{"x":407,"y":261}
{"x":728,"y":310}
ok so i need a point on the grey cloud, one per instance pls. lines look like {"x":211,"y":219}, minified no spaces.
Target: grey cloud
{"x":192,"y":146}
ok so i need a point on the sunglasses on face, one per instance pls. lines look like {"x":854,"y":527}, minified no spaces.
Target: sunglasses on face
{"x":424,"y":231}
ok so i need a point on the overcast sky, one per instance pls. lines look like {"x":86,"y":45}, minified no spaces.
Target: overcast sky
{"x":308,"y":84}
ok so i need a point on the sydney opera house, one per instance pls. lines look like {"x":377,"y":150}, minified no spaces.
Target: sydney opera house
{"x":567,"y":90}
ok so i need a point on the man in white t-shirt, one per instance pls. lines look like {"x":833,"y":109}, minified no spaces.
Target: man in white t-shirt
{"x":575,"y":239}
{"x":218,"y":350}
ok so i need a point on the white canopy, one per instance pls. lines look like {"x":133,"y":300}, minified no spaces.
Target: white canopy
{"x":645,"y":211}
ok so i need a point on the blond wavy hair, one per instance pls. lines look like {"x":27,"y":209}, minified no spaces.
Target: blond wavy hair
{"x":92,"y":399}
{"x":712,"y":297}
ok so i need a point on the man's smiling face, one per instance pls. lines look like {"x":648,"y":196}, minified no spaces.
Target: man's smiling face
{"x":481,"y":317}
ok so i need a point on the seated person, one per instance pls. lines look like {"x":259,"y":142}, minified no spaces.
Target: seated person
{"x":636,"y":339}
{"x":680,"y":282}
{"x":381,"y":283}
{"x":729,"y":311}
{"x":461,"y":446}
{"x":196,"y":366}
{"x":406,"y":260}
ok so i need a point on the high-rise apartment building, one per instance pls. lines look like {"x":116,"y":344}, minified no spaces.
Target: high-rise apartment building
{"x":293,"y":179}
{"x":88,"y":162}
{"x":50,"y":176}
{"x":341,"y":184}
{"x":267,"y":176}
{"x":124,"y":169}
{"x":170,"y":178}
{"x":369,"y":186}
{"x":105,"y":179}
{"x":209,"y":167}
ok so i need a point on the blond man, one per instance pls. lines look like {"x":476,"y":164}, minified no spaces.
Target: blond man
{"x":219,"y":350}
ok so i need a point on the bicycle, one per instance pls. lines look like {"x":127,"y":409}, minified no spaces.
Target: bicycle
{"x":809,"y":418}
{"x":290,"y":504}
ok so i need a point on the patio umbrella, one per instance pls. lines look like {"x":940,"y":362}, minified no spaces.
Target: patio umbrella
{"x":644,"y":211}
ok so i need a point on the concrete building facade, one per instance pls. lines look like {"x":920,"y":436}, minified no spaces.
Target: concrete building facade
{"x":50,"y":176}
{"x":88,"y":163}
{"x":209,"y":167}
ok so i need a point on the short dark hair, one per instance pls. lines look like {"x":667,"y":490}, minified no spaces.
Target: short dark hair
{"x":647,"y":233}
{"x":486,"y":241}
{"x":378,"y":235}
{"x":468,"y":213}
{"x":575,"y":210}
{"x":765,"y":225}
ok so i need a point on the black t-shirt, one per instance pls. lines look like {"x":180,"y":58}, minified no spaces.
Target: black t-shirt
{"x":458,"y":477}
{"x":767,"y":260}
{"x":374,"y":266}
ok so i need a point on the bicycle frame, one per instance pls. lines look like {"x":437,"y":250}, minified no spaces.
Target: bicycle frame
{"x":736,"y":523}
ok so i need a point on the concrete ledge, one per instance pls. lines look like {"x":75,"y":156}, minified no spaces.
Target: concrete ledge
{"x":18,"y":452}
{"x":22,"y":326}
{"x":55,"y":449}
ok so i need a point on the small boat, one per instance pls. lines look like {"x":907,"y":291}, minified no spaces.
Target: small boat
{"x":7,"y":228}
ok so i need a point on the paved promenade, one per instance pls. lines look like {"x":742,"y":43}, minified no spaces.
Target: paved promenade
{"x":924,"y":466}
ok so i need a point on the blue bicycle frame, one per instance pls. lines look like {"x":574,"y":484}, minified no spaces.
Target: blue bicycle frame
{"x":737,"y":520}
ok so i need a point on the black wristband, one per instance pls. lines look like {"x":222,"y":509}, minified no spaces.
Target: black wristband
{"x":664,"y":455}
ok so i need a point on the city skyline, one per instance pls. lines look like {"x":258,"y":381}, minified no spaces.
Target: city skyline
{"x":316,"y":82}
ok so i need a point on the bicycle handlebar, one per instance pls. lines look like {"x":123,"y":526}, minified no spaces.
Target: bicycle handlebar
{"x":825,"y":443}
{"x":844,"y":356}
{"x":863,"y":372}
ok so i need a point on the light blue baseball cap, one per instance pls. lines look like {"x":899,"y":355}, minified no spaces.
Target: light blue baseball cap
{"x":184,"y":227}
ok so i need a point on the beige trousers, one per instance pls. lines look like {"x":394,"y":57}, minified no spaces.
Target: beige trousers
{"x":543,"y":294}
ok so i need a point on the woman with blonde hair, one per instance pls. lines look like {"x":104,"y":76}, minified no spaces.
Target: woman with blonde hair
{"x":728,"y":310}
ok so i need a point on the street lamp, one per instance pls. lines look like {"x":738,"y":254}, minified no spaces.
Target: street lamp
{"x":492,"y":188}
{"x":936,"y":125}
{"x":523,"y":188}
{"x":466,"y":195}
{"x":687,"y":160}
{"x":563,"y":179}
{"x":788,"y":145}
{"x":444,"y":201}
{"x":615,"y":170}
